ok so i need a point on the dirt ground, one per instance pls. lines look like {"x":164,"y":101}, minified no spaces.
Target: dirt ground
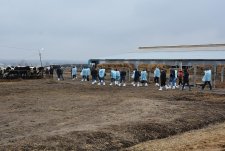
{"x":47,"y":114}
{"x":211,"y":138}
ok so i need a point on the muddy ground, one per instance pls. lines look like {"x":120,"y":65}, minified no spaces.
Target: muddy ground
{"x":47,"y":114}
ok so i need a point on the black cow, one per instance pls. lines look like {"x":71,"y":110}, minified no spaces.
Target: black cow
{"x":24,"y":72}
{"x":1,"y":73}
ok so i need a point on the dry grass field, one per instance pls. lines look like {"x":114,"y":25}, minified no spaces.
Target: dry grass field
{"x":47,"y":114}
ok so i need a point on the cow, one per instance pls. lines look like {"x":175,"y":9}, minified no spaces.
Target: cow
{"x":23,"y":71}
{"x":1,"y":72}
{"x":40,"y":72}
{"x":10,"y":73}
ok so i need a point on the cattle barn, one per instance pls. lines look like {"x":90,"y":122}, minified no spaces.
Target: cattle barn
{"x":178,"y":55}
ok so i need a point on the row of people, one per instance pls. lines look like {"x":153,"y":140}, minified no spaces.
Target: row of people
{"x":183,"y":78}
{"x":140,"y":78}
{"x":117,"y":77}
{"x":86,"y":72}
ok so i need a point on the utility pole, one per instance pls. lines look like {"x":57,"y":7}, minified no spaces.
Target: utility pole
{"x":41,"y":60}
{"x":40,"y":55}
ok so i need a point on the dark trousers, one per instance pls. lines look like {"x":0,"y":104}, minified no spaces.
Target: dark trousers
{"x":156,"y":79}
{"x":144,"y":81}
{"x":207,"y":82}
{"x":186,"y":82}
{"x":101,"y":79}
{"x":94,"y":77}
{"x":74,"y":76}
{"x":122,"y":79}
{"x":163,"y":83}
{"x":58,"y":75}
{"x":113,"y":80}
{"x":180,"y":81}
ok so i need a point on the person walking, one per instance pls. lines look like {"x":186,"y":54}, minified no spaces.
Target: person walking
{"x":113,"y":77}
{"x":117,"y":77}
{"x":84,"y":74}
{"x":172,"y":79}
{"x":156,"y":76}
{"x":123,"y":77}
{"x":101,"y":75}
{"x":144,"y":78}
{"x":74,"y":72}
{"x":207,"y":79}
{"x":59,"y":73}
{"x":186,"y":79}
{"x":136,"y":78}
{"x":180,"y":77}
{"x":163,"y":79}
{"x":94,"y":74}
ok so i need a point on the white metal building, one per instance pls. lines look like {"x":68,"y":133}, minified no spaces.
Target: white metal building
{"x":186,"y":55}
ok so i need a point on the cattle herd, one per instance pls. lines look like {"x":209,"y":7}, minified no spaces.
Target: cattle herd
{"x":24,"y":72}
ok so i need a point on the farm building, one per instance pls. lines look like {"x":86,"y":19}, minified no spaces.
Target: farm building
{"x":186,"y":55}
{"x":181,"y":55}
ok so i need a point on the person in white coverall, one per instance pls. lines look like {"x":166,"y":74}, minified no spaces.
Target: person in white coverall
{"x":144,"y":78}
{"x":207,"y":79}
{"x":156,"y":76}
{"x":101,"y":75}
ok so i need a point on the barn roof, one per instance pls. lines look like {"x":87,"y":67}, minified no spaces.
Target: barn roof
{"x":168,"y":55}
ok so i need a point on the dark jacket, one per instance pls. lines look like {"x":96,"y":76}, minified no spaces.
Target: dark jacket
{"x":123,"y":74}
{"x":94,"y":72}
{"x":186,"y":75}
{"x":137,"y":75}
{"x":163,"y":76}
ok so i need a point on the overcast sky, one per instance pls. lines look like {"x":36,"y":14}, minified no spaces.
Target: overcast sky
{"x":83,"y":29}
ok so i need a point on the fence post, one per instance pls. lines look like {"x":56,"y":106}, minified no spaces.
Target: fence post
{"x":214,"y":77}
{"x":149,"y":74}
{"x":180,"y":65}
{"x":222,"y":73}
{"x":195,"y":72}
{"x":129,"y":74}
